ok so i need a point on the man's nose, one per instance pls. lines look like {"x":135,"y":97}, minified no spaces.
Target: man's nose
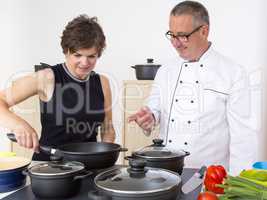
{"x":176,"y":42}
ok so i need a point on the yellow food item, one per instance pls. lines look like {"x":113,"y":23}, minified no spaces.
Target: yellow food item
{"x":7,"y":154}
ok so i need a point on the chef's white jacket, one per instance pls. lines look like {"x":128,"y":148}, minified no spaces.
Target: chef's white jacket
{"x":204,"y":108}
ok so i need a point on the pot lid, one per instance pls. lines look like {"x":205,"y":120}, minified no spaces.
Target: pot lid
{"x":56,"y":168}
{"x":137,"y":179}
{"x":158,"y":150}
{"x":150,"y":63}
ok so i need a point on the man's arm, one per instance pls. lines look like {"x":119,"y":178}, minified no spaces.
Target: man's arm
{"x":243,"y":129}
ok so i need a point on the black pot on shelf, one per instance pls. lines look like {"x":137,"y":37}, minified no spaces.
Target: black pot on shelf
{"x":146,"y":71}
{"x":57,"y":179}
{"x":159,"y":156}
{"x":136,"y":182}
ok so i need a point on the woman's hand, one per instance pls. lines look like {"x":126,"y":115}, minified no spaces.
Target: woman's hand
{"x":26,"y":136}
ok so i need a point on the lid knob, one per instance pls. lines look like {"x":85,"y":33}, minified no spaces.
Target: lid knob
{"x":137,"y":164}
{"x":137,"y":168}
{"x":150,"y":60}
{"x":158,"y":142}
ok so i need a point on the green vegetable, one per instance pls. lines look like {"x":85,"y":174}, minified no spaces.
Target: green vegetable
{"x":239,"y":188}
{"x":254,"y":174}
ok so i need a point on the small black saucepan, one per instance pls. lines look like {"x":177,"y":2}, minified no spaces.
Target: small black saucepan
{"x":57,"y":179}
{"x":146,"y":71}
{"x":94,"y":155}
{"x":159,"y":156}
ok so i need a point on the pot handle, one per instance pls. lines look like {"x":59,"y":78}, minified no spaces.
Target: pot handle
{"x":25,"y":172}
{"x":96,"y":195}
{"x":133,"y":67}
{"x":86,"y":174}
{"x":186,"y":153}
{"x":123,"y":149}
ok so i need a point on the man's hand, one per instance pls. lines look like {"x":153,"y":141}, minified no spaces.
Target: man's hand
{"x":144,"y":118}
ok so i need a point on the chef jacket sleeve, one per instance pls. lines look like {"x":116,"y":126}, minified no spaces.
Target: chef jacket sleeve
{"x":154,"y":100}
{"x":243,"y":129}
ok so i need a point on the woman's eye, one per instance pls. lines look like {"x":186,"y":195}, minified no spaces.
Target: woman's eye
{"x":92,"y":56}
{"x":77,"y":55}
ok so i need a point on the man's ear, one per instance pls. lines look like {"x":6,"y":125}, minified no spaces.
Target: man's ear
{"x":205,"y":30}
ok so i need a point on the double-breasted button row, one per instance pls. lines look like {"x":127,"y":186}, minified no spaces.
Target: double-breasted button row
{"x":185,"y":143}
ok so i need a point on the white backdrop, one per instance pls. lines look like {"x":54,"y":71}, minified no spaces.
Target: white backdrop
{"x":31,"y":30}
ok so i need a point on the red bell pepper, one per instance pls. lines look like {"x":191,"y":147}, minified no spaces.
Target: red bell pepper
{"x":215,"y":174}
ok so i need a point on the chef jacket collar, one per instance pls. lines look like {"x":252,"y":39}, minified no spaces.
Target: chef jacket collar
{"x":203,"y":57}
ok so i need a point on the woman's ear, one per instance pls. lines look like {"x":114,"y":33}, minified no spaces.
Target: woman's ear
{"x":67,"y":53}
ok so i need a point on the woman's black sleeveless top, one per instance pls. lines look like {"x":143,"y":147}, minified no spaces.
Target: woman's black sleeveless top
{"x":74,"y":112}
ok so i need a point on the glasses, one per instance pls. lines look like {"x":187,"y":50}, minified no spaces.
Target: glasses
{"x":183,"y":37}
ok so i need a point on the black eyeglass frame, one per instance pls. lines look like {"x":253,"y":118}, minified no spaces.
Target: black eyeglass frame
{"x":182,"y":37}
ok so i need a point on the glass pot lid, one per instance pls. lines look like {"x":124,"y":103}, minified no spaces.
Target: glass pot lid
{"x":158,"y":150}
{"x":137,"y":179}
{"x":56,"y":168}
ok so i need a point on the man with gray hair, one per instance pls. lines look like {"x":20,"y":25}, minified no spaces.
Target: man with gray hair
{"x":201,"y":100}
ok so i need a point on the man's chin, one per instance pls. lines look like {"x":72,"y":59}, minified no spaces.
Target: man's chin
{"x":182,"y":55}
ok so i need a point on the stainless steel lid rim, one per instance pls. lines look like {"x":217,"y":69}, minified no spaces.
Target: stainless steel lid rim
{"x":156,"y":159}
{"x":121,"y":181}
{"x":141,"y":193}
{"x":61,"y":169}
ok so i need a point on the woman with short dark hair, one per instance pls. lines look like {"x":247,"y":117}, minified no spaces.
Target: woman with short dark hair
{"x":75,"y":101}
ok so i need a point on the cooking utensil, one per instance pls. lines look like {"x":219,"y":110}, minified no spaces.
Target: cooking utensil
{"x":137,"y":182}
{"x":146,"y":71}
{"x":159,"y":156}
{"x":57,"y":179}
{"x":95,"y":155}
{"x":11,"y":176}
{"x":194,"y":181}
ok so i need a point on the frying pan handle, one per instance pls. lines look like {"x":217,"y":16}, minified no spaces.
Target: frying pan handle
{"x":50,"y":151}
{"x":12,"y":137}
{"x":96,"y":195}
{"x":45,"y":149}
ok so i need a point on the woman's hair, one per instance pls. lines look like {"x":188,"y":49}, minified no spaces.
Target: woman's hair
{"x":81,"y":33}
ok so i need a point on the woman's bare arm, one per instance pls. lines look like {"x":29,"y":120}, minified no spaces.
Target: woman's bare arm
{"x":108,"y":132}
{"x":21,"y":89}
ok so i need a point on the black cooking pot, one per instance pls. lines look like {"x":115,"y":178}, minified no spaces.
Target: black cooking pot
{"x":57,"y":179}
{"x":11,"y":173}
{"x":147,"y":71}
{"x":136,"y":182}
{"x":159,"y":156}
{"x":94,"y":155}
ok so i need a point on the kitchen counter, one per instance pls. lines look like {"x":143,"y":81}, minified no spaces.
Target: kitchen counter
{"x":26,"y":192}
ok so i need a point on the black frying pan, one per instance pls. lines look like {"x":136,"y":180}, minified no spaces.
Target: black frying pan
{"x":94,"y":155}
